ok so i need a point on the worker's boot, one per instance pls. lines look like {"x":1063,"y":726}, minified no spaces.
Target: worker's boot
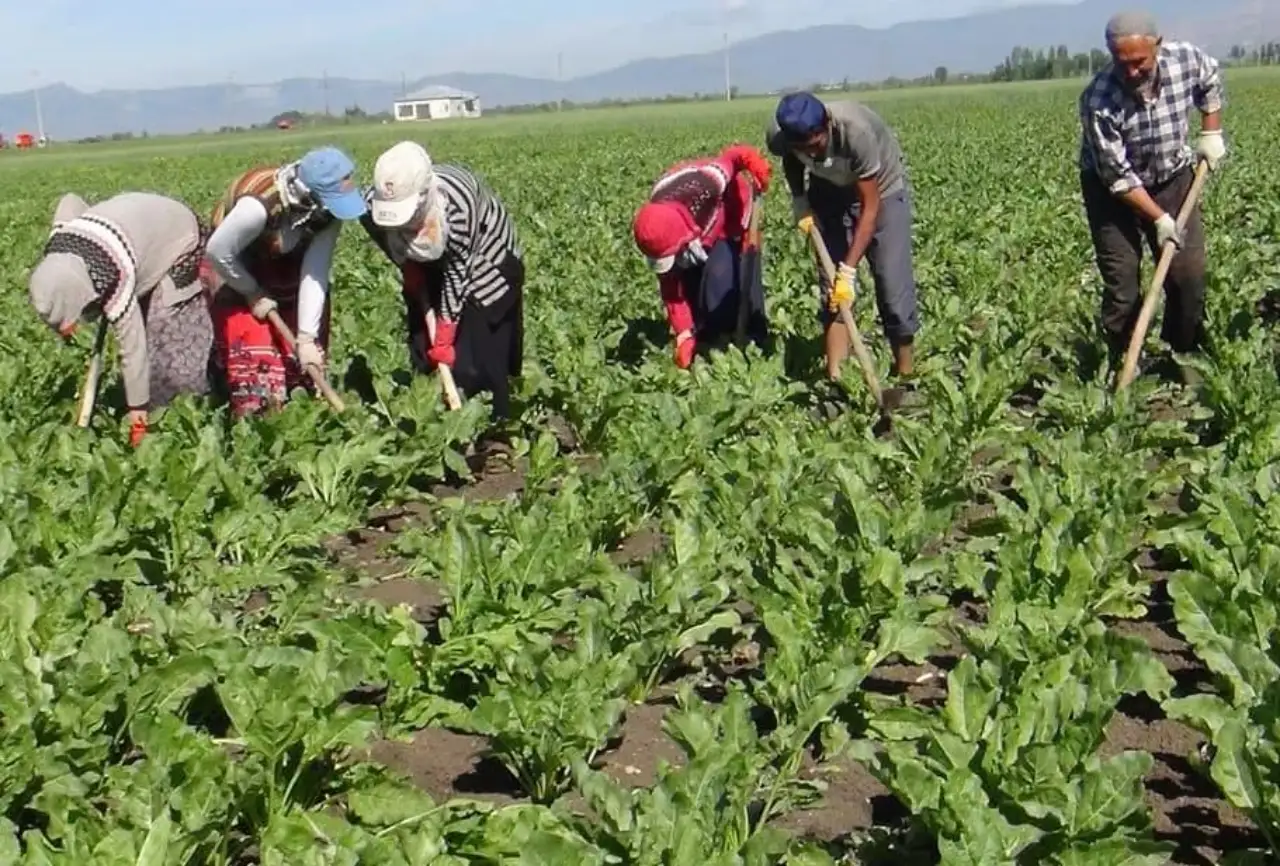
{"x":904,"y":389}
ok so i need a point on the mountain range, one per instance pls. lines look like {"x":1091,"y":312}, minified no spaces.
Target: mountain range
{"x":797,"y":58}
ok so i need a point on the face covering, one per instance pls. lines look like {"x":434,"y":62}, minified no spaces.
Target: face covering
{"x":294,"y":195}
{"x":427,"y":239}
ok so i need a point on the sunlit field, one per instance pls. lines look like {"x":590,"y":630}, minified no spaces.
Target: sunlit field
{"x":697,"y":617}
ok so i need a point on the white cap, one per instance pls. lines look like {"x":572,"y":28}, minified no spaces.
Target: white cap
{"x":400,"y":176}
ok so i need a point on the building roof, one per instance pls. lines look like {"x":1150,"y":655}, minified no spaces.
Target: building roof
{"x":436,"y":91}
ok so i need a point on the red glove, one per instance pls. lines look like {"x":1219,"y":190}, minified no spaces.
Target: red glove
{"x":441,"y":351}
{"x":137,"y":430}
{"x":750,"y":160}
{"x":679,"y":316}
{"x":685,"y":350}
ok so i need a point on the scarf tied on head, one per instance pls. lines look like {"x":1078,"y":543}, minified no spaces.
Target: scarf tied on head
{"x":86,"y":258}
{"x":426,"y":236}
{"x":299,"y":205}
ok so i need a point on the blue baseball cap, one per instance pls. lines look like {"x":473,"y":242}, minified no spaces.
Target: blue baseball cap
{"x":326,"y":172}
{"x":800,"y":115}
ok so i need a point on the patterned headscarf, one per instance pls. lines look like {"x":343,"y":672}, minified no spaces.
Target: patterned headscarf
{"x":60,"y":289}
{"x":106,"y":259}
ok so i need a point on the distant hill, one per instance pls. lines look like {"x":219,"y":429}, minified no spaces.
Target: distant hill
{"x":975,"y":43}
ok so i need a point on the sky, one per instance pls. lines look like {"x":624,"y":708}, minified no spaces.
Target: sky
{"x":144,"y":44}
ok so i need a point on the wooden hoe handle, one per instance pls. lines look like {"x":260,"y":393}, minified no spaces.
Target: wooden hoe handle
{"x":317,"y":376}
{"x":846,"y":316}
{"x":1157,"y":282}
{"x":451,"y":398}
{"x":89,"y":393}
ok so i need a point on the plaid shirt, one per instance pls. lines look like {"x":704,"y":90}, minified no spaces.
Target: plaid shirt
{"x":1131,"y":140}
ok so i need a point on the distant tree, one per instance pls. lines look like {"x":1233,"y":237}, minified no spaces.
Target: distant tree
{"x":940,"y":75}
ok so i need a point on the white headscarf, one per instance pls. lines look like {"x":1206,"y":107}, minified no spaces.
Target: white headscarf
{"x":428,"y":241}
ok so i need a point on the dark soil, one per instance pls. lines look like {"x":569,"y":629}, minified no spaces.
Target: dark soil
{"x":1186,"y":808}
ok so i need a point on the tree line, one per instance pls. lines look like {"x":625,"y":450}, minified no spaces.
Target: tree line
{"x":1263,"y":54}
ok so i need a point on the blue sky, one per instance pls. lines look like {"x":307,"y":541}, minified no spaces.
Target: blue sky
{"x":163,"y":43}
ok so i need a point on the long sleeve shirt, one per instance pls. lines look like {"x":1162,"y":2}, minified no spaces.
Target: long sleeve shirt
{"x":147,"y":234}
{"x":481,"y":234}
{"x":861,"y":147}
{"x":242,"y":226}
{"x":719,"y":198}
{"x":1131,"y":140}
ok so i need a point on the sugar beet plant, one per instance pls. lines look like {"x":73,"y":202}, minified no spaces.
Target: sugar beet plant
{"x":191,"y":677}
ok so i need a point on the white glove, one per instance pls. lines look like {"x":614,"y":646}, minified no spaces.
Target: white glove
{"x":261,"y":306}
{"x":1212,"y":147}
{"x":309,"y":352}
{"x":1167,"y":230}
{"x":692,"y":255}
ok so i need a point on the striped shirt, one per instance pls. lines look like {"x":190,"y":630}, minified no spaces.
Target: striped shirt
{"x":481,"y":235}
{"x":1130,"y":139}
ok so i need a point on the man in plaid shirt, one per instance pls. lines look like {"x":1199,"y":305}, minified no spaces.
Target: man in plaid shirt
{"x":1136,"y":168}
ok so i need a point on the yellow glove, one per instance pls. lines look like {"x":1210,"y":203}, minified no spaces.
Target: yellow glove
{"x":802,"y":215}
{"x":842,"y":292}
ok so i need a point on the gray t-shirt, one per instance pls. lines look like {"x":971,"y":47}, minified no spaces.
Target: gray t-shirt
{"x":861,"y":146}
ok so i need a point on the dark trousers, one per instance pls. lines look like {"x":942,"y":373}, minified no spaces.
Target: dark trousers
{"x":490,"y":340}
{"x":836,"y":211}
{"x":1119,"y":234}
{"x":714,"y":290}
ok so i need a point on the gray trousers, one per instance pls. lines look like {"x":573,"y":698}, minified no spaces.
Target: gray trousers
{"x":836,"y":210}
{"x":1118,"y":238}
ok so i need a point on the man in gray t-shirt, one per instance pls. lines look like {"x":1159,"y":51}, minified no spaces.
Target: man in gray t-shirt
{"x":859,"y":197}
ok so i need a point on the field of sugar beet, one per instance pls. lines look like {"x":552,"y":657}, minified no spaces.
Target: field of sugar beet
{"x":703,"y":617}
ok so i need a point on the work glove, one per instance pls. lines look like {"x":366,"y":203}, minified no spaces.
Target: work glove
{"x":309,"y":352}
{"x":750,"y":160}
{"x":679,"y":315}
{"x":1167,"y":230}
{"x":692,"y":255}
{"x":1212,"y":147}
{"x":686,"y":346}
{"x":442,"y":351}
{"x":137,"y":419}
{"x":802,"y":214}
{"x":842,"y":292}
{"x":261,"y":306}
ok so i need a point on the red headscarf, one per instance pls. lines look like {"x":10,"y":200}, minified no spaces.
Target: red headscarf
{"x":661,"y":229}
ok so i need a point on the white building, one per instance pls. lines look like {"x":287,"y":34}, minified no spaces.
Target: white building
{"x":437,"y":103}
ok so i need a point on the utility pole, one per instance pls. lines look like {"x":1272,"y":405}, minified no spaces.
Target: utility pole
{"x":728,"y":80}
{"x":35,"y":94}
{"x":560,"y":81}
{"x":324,"y":77}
